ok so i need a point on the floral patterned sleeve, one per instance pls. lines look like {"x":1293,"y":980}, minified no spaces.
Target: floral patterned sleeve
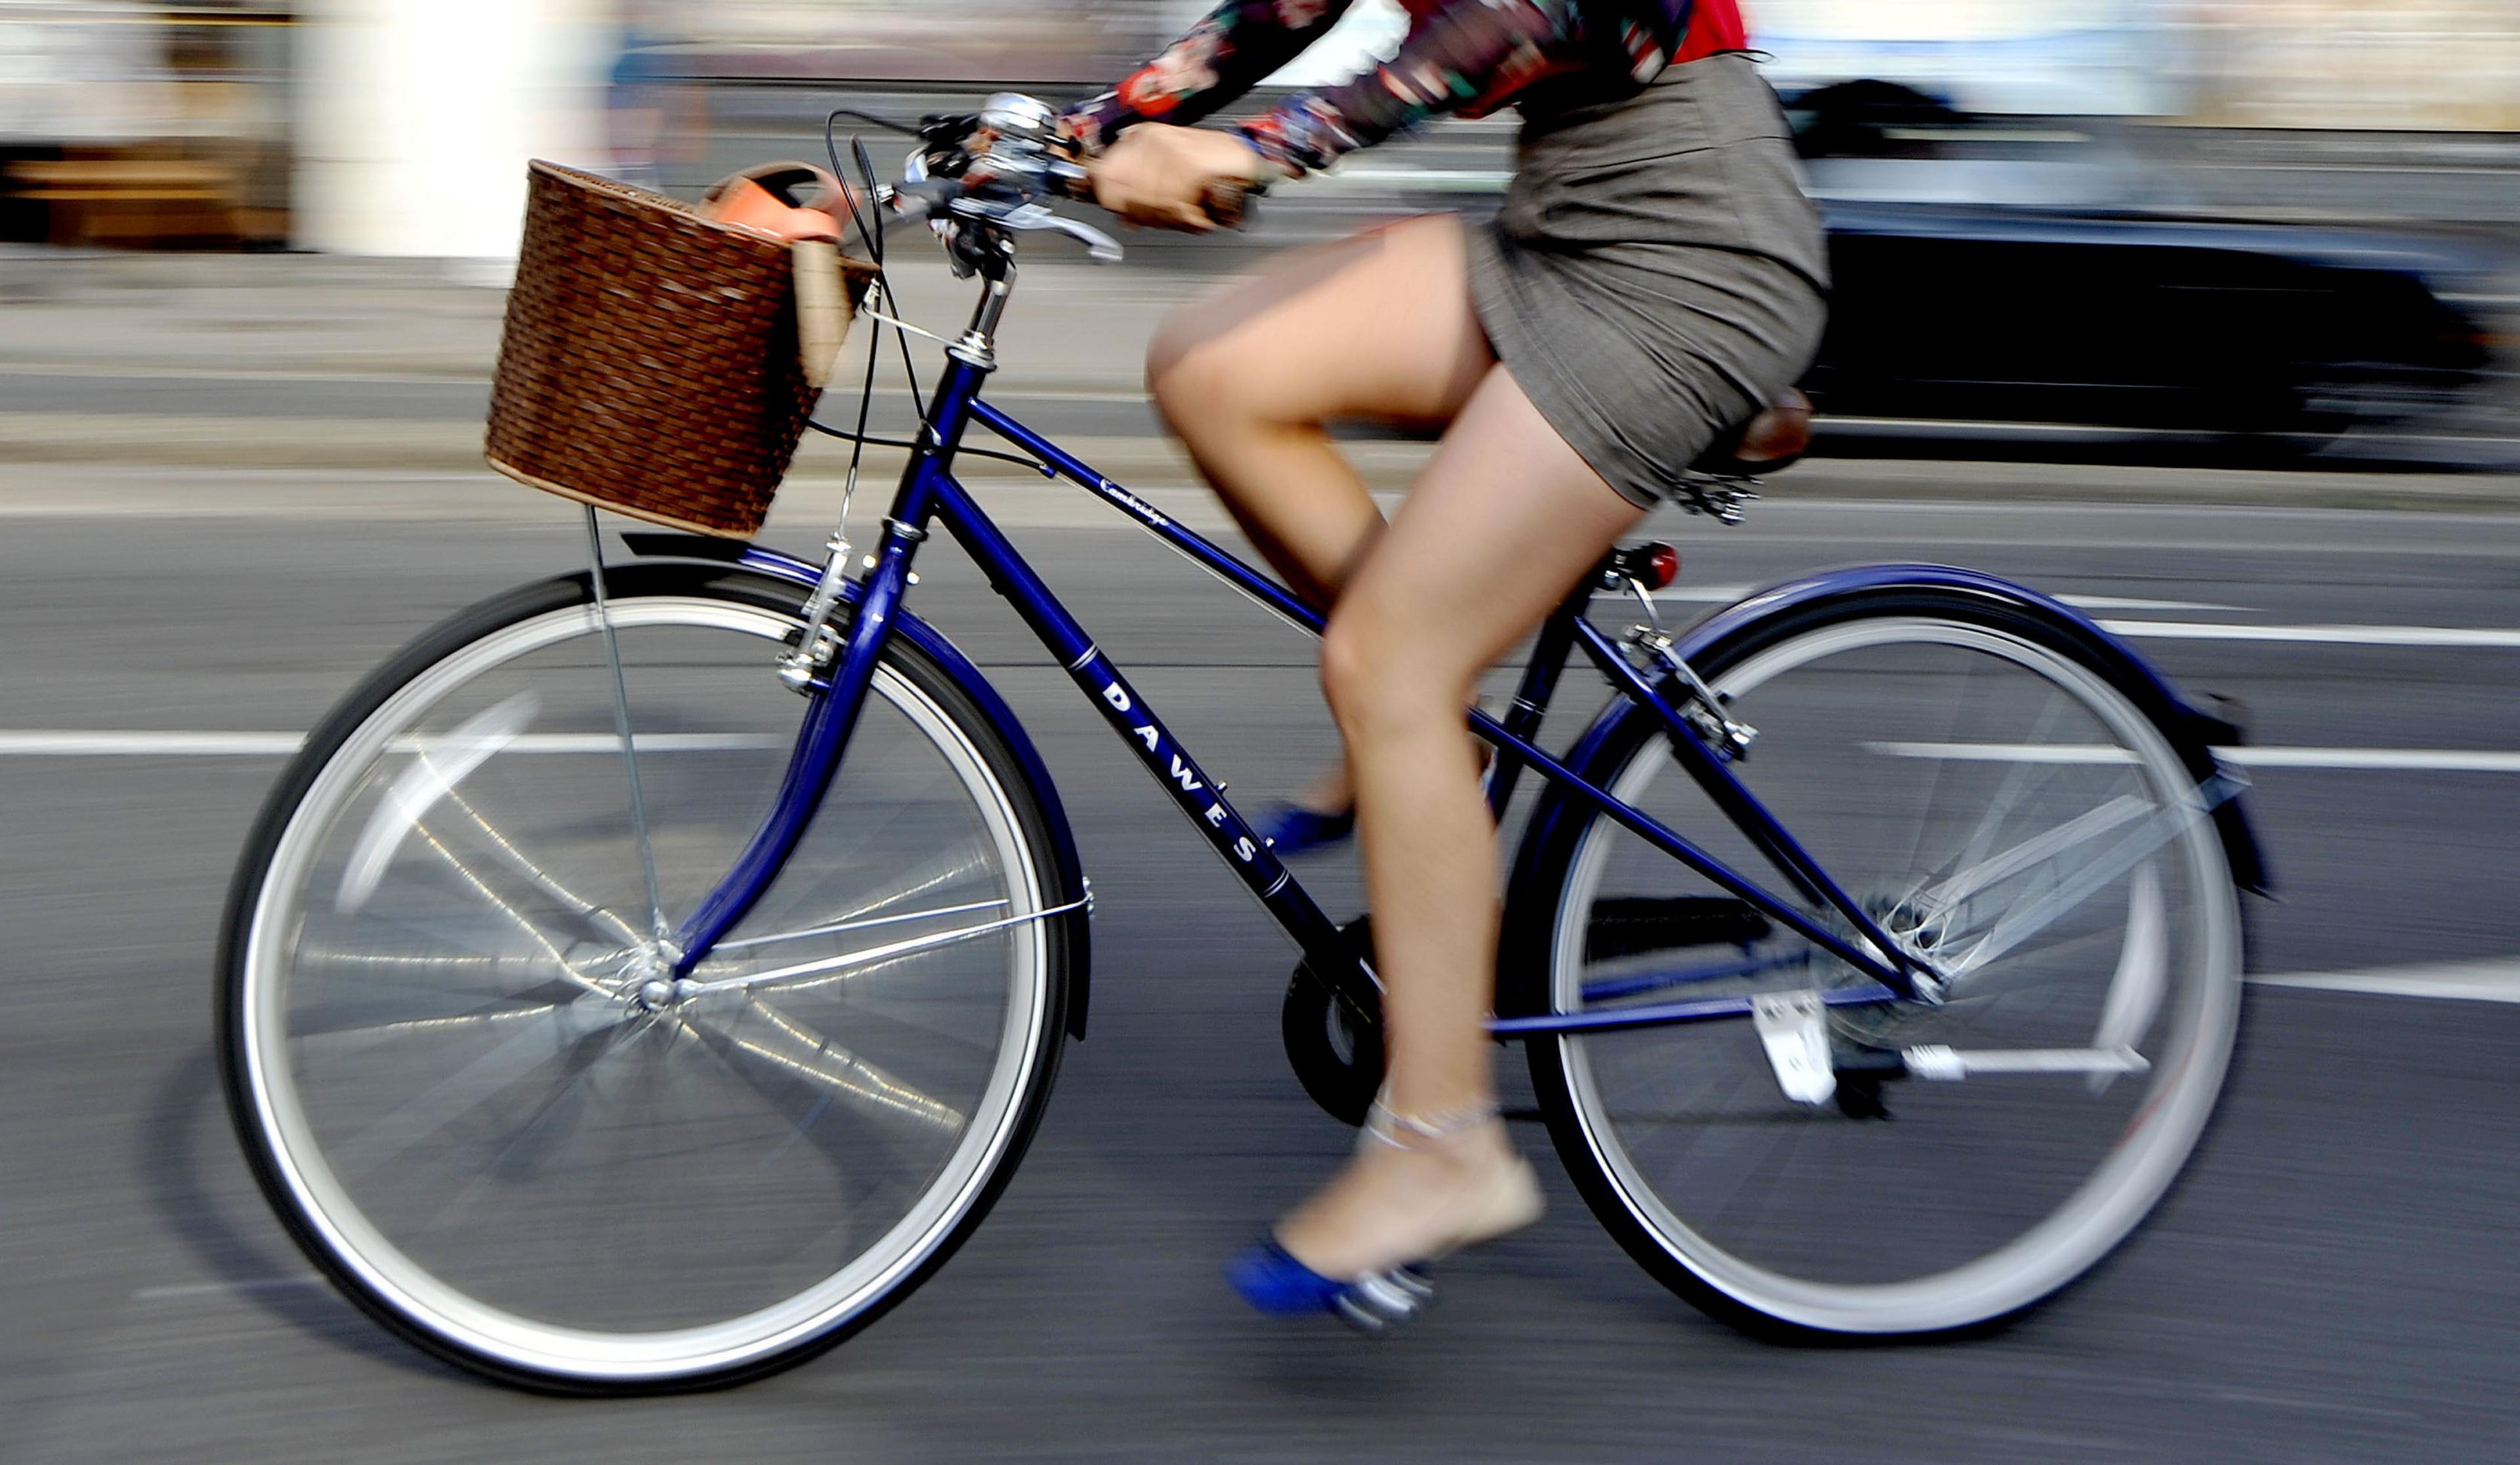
{"x":1223,"y":56}
{"x":1459,"y":53}
{"x":1463,"y":55}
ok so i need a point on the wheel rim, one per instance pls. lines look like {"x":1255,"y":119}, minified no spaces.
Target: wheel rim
{"x":991,"y":999}
{"x":1781,"y":1270}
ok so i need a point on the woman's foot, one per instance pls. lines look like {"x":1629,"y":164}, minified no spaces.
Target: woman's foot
{"x":1417,"y":1191}
{"x":1293,"y":830}
{"x":1303,"y":826}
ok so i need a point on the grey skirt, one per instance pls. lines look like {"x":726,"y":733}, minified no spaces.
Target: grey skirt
{"x":1657,"y":273}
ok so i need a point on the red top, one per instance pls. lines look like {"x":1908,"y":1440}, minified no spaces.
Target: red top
{"x":1469,"y":56}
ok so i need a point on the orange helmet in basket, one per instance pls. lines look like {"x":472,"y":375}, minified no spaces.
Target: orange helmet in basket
{"x":786,"y":200}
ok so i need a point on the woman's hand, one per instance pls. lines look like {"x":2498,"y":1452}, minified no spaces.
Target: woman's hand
{"x":1161,"y":176}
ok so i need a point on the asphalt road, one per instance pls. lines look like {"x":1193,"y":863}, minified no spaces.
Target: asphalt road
{"x":2337,"y":1282}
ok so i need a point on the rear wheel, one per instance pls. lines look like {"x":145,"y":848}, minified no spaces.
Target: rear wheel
{"x":2004,"y":804}
{"x":446,"y":1049}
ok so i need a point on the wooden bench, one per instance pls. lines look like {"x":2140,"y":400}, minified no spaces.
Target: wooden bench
{"x":132,"y":199}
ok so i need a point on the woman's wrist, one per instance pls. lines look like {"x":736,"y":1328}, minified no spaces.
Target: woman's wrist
{"x":1273,"y":165}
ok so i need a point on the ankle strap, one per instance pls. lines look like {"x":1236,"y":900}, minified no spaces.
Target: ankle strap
{"x":1398,"y":1130}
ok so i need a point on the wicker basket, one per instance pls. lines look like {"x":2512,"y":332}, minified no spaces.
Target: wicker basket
{"x":651,"y":361}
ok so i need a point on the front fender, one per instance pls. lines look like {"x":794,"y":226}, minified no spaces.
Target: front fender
{"x":1070,"y":867}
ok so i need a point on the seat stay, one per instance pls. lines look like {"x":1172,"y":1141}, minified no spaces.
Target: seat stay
{"x":1752,"y":817}
{"x":1537,"y":689}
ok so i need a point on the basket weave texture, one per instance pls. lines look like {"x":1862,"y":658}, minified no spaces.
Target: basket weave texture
{"x":650,"y":359}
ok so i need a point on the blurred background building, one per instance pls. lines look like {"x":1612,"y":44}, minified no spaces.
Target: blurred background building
{"x":131,"y":123}
{"x":399,"y":126}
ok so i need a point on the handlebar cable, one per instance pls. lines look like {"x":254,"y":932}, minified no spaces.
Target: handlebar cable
{"x":886,"y":123}
{"x":860,"y":209}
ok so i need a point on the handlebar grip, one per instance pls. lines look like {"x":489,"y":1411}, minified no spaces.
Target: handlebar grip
{"x":1230,"y":202}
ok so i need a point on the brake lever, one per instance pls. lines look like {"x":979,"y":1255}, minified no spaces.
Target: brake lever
{"x":1035,"y":219}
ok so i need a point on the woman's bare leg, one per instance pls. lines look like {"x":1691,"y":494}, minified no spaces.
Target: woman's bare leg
{"x":1506,"y":517}
{"x":1379,"y":325}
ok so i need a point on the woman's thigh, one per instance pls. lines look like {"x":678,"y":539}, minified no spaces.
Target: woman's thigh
{"x":1502,"y":523}
{"x":1379,"y":324}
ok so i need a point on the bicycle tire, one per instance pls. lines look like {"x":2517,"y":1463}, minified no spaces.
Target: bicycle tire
{"x":1533,"y":972}
{"x":1031,"y":813}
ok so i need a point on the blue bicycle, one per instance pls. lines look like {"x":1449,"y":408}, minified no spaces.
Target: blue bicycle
{"x":601,"y":1016}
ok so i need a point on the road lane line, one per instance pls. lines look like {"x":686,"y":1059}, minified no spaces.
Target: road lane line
{"x":2445,"y":636}
{"x":2446,"y":981}
{"x":192,"y":1290}
{"x":2122,"y":603}
{"x":127,"y":745}
{"x":2069,"y":754}
{"x":150,"y":744}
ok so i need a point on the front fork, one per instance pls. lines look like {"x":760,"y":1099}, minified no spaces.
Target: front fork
{"x":836,"y":672}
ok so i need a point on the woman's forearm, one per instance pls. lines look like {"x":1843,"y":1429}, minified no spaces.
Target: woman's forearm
{"x":1461,"y":54}
{"x":1222,"y":57}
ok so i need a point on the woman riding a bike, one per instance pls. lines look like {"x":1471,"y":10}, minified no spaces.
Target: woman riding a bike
{"x":1655,"y":278}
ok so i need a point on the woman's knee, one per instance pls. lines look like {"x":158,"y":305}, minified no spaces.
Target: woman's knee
{"x":1379,"y":678}
{"x":1190,"y":369}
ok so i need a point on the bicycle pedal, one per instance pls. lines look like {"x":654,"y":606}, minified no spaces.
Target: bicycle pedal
{"x":1794,"y":1027}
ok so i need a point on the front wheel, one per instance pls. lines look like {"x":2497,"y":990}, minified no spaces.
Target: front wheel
{"x":442,"y":1036}
{"x":2005,"y":799}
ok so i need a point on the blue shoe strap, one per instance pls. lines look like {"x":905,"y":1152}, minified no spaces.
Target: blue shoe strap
{"x":1274,"y":1282}
{"x":1293,"y":829}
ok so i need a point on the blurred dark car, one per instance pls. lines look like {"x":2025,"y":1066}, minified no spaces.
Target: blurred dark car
{"x":2107,"y":315}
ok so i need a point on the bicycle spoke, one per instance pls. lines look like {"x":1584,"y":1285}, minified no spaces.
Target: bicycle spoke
{"x":464,"y":957}
{"x":2028,"y":918}
{"x":422,"y":785}
{"x":551,"y":1037}
{"x":2034,"y":852}
{"x":1934,"y":790}
{"x":2021,"y":781}
{"x":937,"y":872}
{"x":458,"y":1205}
{"x":847,"y":927}
{"x":542,"y":879}
{"x":353,"y":1036}
{"x":523,"y":923}
{"x":792,"y":1049}
{"x":829,"y":970}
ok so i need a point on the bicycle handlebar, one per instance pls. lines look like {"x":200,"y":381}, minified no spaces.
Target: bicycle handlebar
{"x":994,"y":167}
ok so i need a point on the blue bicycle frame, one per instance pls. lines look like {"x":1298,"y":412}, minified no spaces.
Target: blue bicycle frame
{"x":930,"y":495}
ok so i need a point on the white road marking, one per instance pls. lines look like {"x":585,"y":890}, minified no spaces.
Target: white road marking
{"x":150,"y":744}
{"x":110,"y":373}
{"x":124,"y":744}
{"x":2122,"y":603}
{"x":2445,"y":636}
{"x":191,"y":1290}
{"x":1485,"y":180}
{"x":2381,"y":760}
{"x":2446,"y":981}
